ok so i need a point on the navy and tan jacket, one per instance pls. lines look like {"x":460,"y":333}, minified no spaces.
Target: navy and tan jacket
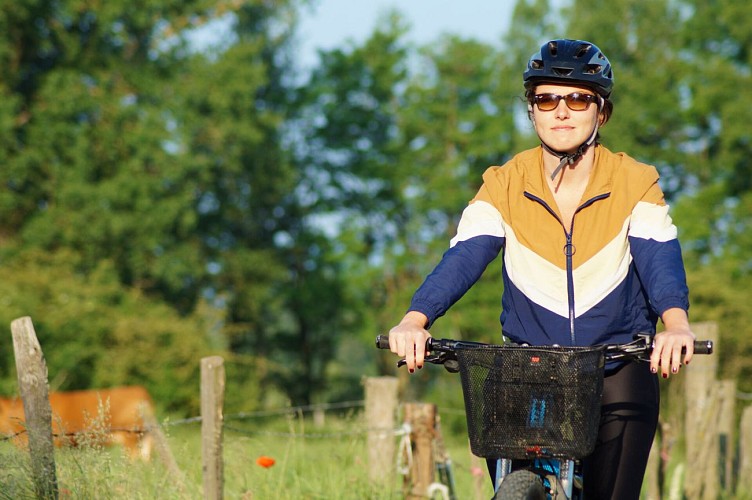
{"x":605,"y":278}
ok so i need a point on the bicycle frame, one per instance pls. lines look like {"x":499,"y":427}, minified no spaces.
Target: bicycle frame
{"x":563,"y":473}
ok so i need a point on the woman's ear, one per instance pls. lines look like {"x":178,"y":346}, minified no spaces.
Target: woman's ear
{"x":602,"y":115}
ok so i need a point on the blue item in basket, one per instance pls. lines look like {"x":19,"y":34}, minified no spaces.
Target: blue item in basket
{"x":537,"y":413}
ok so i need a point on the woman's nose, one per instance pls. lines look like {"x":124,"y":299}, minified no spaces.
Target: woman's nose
{"x":562,"y":111}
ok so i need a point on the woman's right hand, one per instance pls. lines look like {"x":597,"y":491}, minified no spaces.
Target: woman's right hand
{"x":408,"y":339}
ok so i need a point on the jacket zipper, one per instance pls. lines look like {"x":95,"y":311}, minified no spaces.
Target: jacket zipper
{"x":569,"y":251}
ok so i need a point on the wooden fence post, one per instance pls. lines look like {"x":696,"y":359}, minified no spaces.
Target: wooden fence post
{"x":212,"y":418}
{"x":422,"y":420}
{"x":701,"y":420}
{"x":32,"y":382}
{"x":744,"y":485}
{"x":381,"y":416}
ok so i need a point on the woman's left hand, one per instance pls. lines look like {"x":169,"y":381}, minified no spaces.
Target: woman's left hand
{"x":672,"y":344}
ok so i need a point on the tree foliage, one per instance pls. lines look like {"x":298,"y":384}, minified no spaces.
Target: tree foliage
{"x":126,"y":146}
{"x":96,"y":333}
{"x":168,"y":195}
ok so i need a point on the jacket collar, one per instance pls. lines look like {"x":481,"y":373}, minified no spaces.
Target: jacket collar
{"x":599,"y":185}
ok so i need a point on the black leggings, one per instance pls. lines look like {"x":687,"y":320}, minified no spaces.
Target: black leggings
{"x":629,"y":417}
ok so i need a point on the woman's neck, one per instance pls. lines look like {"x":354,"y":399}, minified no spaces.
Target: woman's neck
{"x":570,"y":174}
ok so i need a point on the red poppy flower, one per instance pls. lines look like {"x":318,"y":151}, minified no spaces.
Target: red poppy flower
{"x":265,"y":462}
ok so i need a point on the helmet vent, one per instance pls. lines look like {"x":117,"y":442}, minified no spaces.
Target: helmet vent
{"x":593,"y":69}
{"x":536,"y":64}
{"x":583,"y":49}
{"x":553,"y":48}
{"x":562,"y":71}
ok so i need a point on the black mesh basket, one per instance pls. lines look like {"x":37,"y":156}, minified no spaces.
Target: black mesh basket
{"x":524,"y":402}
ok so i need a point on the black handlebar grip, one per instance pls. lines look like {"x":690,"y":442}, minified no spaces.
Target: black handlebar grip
{"x":703,"y":347}
{"x":382,"y":341}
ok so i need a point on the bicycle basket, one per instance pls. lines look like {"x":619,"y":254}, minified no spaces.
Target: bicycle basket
{"x":523,"y":402}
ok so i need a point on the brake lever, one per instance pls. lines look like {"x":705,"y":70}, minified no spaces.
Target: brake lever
{"x":449,"y":363}
{"x":435,"y":359}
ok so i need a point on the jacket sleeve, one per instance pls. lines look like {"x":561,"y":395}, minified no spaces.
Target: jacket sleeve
{"x":479,"y":239}
{"x":656,"y":252}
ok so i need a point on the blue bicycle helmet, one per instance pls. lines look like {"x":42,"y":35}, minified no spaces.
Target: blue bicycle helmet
{"x":570,"y":61}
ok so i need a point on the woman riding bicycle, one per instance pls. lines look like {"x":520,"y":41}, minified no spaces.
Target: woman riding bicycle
{"x":590,"y":256}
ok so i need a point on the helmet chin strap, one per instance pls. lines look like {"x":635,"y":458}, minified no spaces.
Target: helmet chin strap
{"x":570,"y":158}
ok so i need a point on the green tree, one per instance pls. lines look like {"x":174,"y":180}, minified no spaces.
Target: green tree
{"x":395,"y":141}
{"x":348,"y":201}
{"x":458,"y":119}
{"x":127,"y":145}
{"x":96,"y":333}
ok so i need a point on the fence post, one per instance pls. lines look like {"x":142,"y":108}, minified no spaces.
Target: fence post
{"x":422,"y":420}
{"x":381,"y":416}
{"x":32,"y":382}
{"x":212,"y":402}
{"x":701,"y":420}
{"x":745,"y":452}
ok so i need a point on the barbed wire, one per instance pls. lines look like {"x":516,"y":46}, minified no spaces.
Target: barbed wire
{"x":181,"y":421}
{"x":91,"y":431}
{"x":8,"y":437}
{"x":292,"y":410}
{"x":315,"y":435}
{"x":297,"y":409}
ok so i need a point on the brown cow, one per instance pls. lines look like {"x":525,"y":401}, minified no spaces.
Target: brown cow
{"x":121,"y":415}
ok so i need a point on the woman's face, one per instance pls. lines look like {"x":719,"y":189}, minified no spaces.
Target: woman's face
{"x":562,"y":128}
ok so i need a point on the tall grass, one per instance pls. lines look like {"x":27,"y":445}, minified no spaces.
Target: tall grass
{"x":311,"y":462}
{"x":87,"y":472}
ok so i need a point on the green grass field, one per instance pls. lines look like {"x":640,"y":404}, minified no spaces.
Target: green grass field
{"x":328,"y":461}
{"x":324,"y":462}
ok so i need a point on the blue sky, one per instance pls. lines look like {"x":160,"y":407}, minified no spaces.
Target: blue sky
{"x":331,"y":22}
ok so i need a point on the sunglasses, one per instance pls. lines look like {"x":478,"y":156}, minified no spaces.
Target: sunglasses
{"x":576,"y":101}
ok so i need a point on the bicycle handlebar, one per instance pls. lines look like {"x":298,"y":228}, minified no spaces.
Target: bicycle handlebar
{"x":703,"y":347}
{"x":637,"y":350}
